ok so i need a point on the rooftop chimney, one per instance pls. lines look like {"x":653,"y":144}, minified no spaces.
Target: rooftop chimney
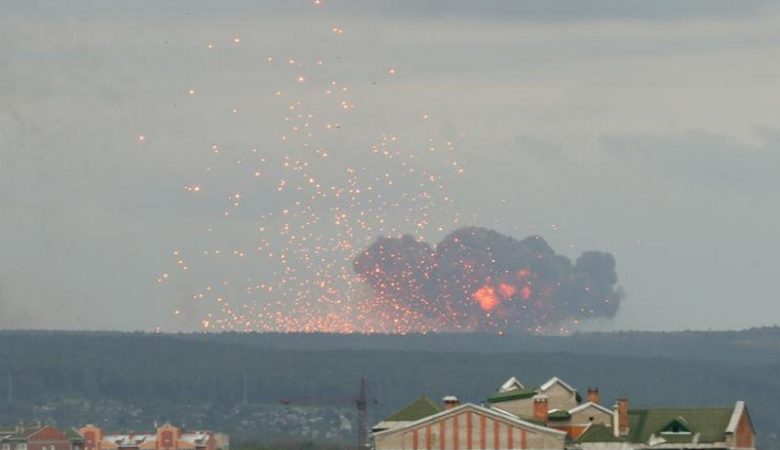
{"x":593,"y":395}
{"x":450,"y":402}
{"x":622,"y":415}
{"x":540,"y":407}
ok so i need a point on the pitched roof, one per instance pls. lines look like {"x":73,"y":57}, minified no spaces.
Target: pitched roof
{"x":196,"y":437}
{"x":677,"y":425}
{"x":587,"y":405}
{"x":708,"y":423}
{"x":541,"y":423}
{"x":418,"y":409}
{"x":511,"y":383}
{"x":500,"y":415}
{"x":128,"y":440}
{"x":739,"y":409}
{"x":598,"y":433}
{"x":559,"y":414}
{"x":512,"y":394}
{"x":74,"y":435}
{"x":23,"y":432}
{"x":556,"y":380}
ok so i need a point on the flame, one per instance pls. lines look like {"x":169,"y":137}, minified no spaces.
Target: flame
{"x":523,"y":273}
{"x":506,"y":290}
{"x":526,"y":292}
{"x":487,"y":298}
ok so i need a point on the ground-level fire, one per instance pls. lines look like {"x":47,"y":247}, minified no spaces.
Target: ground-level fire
{"x":554,"y":416}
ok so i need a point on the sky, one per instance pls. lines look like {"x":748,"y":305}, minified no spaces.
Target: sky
{"x":644,"y":129}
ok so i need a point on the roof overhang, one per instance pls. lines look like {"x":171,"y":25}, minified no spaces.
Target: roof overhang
{"x":510,"y":384}
{"x":587,"y":405}
{"x":739,"y":409}
{"x":499,"y":415}
{"x":555,"y":380}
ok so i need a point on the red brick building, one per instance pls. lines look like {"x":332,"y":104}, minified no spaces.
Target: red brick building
{"x":38,"y":437}
{"x":166,"y":437}
{"x":554,"y":416}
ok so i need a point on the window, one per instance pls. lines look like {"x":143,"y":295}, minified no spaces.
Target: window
{"x":676,"y":426}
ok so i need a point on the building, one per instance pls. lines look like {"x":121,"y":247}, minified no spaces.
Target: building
{"x":466,"y":426}
{"x":166,"y":437}
{"x":554,"y":416}
{"x":39,"y":437}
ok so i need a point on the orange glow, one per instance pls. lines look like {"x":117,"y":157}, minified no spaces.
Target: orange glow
{"x":507,"y":290}
{"x":526,"y":292}
{"x":523,"y":273}
{"x":487,"y":298}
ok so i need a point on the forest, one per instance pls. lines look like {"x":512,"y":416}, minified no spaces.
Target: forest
{"x":264,"y":388}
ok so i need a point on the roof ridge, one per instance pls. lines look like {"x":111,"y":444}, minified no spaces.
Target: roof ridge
{"x":587,"y":405}
{"x":489,"y":411}
{"x":512,"y":394}
{"x":736,"y":415}
{"x":421,"y":407}
{"x":592,"y":432}
{"x":682,"y":408}
{"x":547,"y":384}
{"x":511,"y":383}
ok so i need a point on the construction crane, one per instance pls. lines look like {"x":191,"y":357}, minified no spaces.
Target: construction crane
{"x":361,"y":405}
{"x":362,"y":412}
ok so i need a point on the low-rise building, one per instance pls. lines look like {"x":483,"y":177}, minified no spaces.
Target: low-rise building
{"x":555,"y":417}
{"x":39,"y":437}
{"x":467,"y":426}
{"x":165,"y":437}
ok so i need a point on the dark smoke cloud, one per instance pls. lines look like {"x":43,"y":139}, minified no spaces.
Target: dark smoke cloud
{"x":477,"y":278}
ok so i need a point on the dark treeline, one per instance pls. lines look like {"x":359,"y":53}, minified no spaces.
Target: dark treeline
{"x":754,"y":346}
{"x":202,"y":380}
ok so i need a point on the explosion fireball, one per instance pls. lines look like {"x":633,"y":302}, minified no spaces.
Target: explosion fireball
{"x":283,"y":214}
{"x":477,"y":279}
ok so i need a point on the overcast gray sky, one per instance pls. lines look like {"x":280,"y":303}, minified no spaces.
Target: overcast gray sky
{"x":646,"y":129}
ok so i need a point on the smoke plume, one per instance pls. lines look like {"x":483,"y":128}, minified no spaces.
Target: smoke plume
{"x":479,"y":279}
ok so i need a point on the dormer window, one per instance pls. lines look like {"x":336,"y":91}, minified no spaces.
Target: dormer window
{"x":676,"y":426}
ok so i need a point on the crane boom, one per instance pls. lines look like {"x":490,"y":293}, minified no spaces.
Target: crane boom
{"x":359,"y":401}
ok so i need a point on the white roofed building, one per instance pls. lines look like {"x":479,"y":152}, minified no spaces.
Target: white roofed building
{"x":166,"y":437}
{"x":555,"y":417}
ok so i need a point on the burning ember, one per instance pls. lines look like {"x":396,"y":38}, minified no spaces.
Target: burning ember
{"x":478,"y":279}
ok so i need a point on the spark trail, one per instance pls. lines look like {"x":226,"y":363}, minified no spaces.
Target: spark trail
{"x":284,"y":218}
{"x":479,"y":279}
{"x":286,"y":225}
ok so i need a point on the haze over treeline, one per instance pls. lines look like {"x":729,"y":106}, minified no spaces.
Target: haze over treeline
{"x":235,"y":382}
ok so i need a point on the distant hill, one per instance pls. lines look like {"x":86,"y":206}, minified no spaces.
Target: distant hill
{"x":234,"y":382}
